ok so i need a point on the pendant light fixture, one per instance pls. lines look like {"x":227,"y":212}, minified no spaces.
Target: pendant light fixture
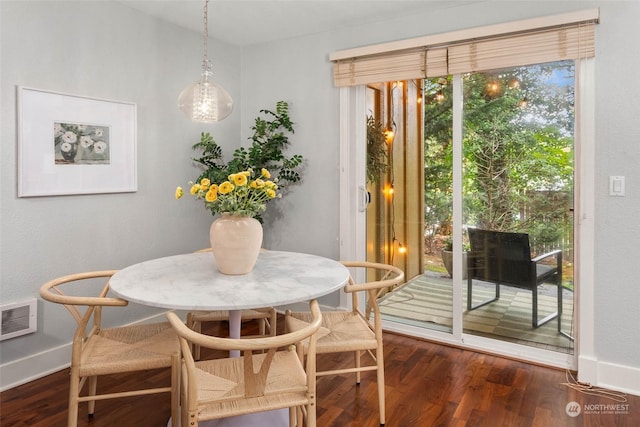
{"x":205,"y":101}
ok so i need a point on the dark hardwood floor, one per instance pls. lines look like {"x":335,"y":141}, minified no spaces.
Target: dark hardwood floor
{"x":427,"y":384}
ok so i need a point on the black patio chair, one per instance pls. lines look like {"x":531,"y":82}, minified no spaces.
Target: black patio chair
{"x":504,"y":258}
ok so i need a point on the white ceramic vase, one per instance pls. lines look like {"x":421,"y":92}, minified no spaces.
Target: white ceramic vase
{"x":235,"y":242}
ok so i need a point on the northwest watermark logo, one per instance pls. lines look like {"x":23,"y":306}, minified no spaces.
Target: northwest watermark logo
{"x":573,"y":409}
{"x":609,"y":408}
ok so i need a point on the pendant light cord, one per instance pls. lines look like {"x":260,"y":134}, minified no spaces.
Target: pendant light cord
{"x":206,"y":64}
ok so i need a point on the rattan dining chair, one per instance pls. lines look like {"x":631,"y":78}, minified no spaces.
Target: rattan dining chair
{"x":266,"y":318}
{"x":269,"y":375}
{"x":97,"y":351}
{"x":353,"y":331}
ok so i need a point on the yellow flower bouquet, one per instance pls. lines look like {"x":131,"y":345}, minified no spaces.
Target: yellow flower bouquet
{"x":242,"y":194}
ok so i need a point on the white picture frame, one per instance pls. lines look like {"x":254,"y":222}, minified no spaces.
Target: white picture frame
{"x":71,"y":144}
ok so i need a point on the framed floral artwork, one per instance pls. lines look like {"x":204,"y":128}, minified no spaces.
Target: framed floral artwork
{"x":71,"y":144}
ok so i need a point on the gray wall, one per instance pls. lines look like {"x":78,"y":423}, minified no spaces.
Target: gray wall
{"x":138,"y":59}
{"x":299,"y":71}
{"x":103,"y":50}
{"x":617,"y":297}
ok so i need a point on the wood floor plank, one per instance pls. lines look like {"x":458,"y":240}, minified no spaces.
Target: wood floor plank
{"x":427,"y":384}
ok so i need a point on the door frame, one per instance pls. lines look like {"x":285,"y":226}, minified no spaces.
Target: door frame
{"x":353,"y":230}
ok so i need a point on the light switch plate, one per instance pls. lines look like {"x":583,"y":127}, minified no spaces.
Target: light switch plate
{"x":616,"y":186}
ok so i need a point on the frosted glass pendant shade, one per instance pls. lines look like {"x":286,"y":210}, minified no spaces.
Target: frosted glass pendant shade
{"x":205,"y":102}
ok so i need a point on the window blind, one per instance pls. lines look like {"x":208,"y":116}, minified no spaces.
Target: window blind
{"x":402,"y":65}
{"x":523,"y":49}
{"x":508,"y":45}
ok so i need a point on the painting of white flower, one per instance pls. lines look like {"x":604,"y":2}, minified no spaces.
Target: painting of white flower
{"x":81,"y":143}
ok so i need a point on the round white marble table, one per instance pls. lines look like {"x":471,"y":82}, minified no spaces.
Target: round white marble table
{"x":193,"y":282}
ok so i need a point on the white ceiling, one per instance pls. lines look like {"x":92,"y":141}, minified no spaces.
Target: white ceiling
{"x":246,"y":22}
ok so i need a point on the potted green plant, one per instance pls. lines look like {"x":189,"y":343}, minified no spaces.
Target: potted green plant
{"x":377,"y":150}
{"x":447,"y":257}
{"x":240,"y":189}
{"x":270,"y":140}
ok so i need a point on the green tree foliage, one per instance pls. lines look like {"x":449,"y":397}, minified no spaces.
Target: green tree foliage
{"x":517,"y":149}
{"x":438,"y":169}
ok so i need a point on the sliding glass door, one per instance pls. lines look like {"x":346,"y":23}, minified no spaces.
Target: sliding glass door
{"x":517,"y":203}
{"x":497,"y":155}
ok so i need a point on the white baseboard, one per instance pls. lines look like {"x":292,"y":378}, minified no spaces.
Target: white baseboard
{"x":587,"y":369}
{"x":619,"y":377}
{"x":22,"y":371}
{"x":611,"y":376}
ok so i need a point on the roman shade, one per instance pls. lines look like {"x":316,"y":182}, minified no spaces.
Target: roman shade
{"x":534,"y":41}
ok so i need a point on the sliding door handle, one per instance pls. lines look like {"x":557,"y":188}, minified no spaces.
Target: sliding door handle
{"x":365,"y":198}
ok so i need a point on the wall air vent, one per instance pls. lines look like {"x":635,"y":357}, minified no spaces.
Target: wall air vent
{"x":18,"y":319}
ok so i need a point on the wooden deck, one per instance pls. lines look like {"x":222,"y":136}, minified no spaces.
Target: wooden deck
{"x":426,"y":301}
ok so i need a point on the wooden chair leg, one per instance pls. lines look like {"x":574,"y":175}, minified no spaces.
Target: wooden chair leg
{"x":197,"y":326}
{"x":191,"y":419}
{"x":311,"y":415}
{"x":272,"y":323}
{"x":93,"y":387}
{"x":357,"y":356}
{"x":299,"y":417}
{"x":190,"y":324}
{"x":184,"y":415}
{"x":292,"y":417}
{"x":74,"y":391}
{"x":381,"y":399}
{"x":175,"y":389}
